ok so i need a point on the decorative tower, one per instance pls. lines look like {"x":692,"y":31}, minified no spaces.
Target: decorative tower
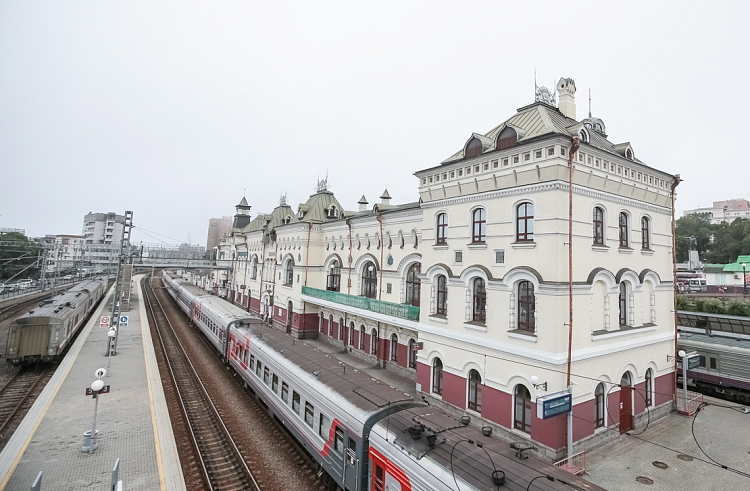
{"x":362,"y":203}
{"x":566,"y":87}
{"x":385,"y":198}
{"x":242,"y":216}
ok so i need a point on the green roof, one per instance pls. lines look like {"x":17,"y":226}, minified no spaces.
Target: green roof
{"x":737,"y":266}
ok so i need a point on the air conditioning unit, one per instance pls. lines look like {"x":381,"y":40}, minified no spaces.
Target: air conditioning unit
{"x":736,"y":277}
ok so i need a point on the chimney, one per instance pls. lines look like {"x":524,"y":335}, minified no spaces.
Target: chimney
{"x":362,"y":203}
{"x":566,"y":88}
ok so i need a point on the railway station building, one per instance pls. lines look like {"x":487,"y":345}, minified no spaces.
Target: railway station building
{"x":466,"y":290}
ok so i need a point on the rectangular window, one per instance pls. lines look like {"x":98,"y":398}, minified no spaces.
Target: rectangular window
{"x":459,"y":256}
{"x":598,"y":162}
{"x":430,"y":179}
{"x":437,"y":177}
{"x":388,"y":287}
{"x":562,"y":151}
{"x":295,"y":401}
{"x":494,"y":164}
{"x":538,"y":154}
{"x":453,"y":174}
{"x":588,"y":160}
{"x":258,"y":368}
{"x":445,"y":176}
{"x":266,"y":376}
{"x":526,"y":157}
{"x":324,"y":426}
{"x":275,"y":384}
{"x":580,"y":157}
{"x":309,"y":414}
{"x":338,"y":440}
{"x":476,"y":169}
{"x":284,"y":392}
{"x":460,"y":172}
{"x":500,"y":256}
{"x":515,"y":159}
{"x":424,"y":181}
{"x":505,"y":162}
{"x":486,"y":166}
{"x":713,"y":363}
{"x":468,"y":171}
{"x":702,"y":361}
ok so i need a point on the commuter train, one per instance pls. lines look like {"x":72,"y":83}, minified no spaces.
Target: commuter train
{"x":43,"y":333}
{"x":723,"y":346}
{"x":366,"y":434}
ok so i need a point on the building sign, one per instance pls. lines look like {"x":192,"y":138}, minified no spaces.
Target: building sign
{"x":694,"y":362}
{"x":553,"y":404}
{"x":393,"y":309}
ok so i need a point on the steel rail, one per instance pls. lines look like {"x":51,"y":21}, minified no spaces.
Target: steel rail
{"x":215,"y":411}
{"x":16,"y":380}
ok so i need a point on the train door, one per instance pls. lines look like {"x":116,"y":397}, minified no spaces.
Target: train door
{"x":386,"y":476}
{"x":351,"y":464}
{"x":336,"y":457}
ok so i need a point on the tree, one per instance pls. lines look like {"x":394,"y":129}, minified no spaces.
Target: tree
{"x":693,"y":225}
{"x":19,"y":258}
{"x":716,"y":243}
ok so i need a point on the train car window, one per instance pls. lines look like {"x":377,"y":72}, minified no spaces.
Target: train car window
{"x":284,"y":392}
{"x":338,"y":440}
{"x":702,"y":361}
{"x":379,"y":480}
{"x":266,"y":376}
{"x":258,"y":368}
{"x":252,"y":362}
{"x":352,"y":453}
{"x":295,"y":401}
{"x":713,"y":363}
{"x":324,"y":426}
{"x":309,"y":414}
{"x":275,"y":384}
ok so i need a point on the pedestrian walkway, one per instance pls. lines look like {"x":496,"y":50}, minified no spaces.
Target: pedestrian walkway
{"x":132,"y":420}
{"x":722,"y":433}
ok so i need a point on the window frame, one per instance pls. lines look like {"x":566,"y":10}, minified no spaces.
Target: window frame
{"x":527,"y":305}
{"x":284,"y":392}
{"x":333,"y":279}
{"x":598,"y":223}
{"x":309,"y":411}
{"x":645,"y":233}
{"x":479,"y":226}
{"x":374,"y":342}
{"x":441,"y":305}
{"x":413,"y":284}
{"x":527,"y":219}
{"x":394,"y":348}
{"x":370,"y":280}
{"x":519,"y":417}
{"x":479,"y":300}
{"x":412,"y":354}
{"x":296,"y":400}
{"x":441,"y":229}
{"x":649,"y":387}
{"x":623,"y":304}
{"x":599,"y":405}
{"x":622,"y":222}
{"x":437,"y":376}
{"x":475,"y":391}
{"x":289,"y":273}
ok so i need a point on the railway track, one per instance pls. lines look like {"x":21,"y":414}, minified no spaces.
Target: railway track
{"x":12,"y":310}
{"x":16,"y":392}
{"x":222,"y":465}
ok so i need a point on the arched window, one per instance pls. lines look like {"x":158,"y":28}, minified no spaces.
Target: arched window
{"x":330,"y":325}
{"x":437,"y":377}
{"x":474,"y":148}
{"x":370,"y":280}
{"x":645,"y":233}
{"x":522,"y":416}
{"x":478,"y":226}
{"x":362,"y":337}
{"x":441,"y":308}
{"x":442,"y":228}
{"x":525,"y":222}
{"x":254,"y":268}
{"x":623,"y":304}
{"x":394,"y":348}
{"x":351,"y":333}
{"x":629,"y":154}
{"x":413,"y":284}
{"x":506,"y":139}
{"x":475,"y":391}
{"x":598,"y":226}
{"x":480,"y":301}
{"x":649,"y":388}
{"x":599,"y":402}
{"x":374,"y":342}
{"x":289,"y":279}
{"x":412,"y":354}
{"x":333,"y":282}
{"x":526,"y":306}
{"x":623,"y":229}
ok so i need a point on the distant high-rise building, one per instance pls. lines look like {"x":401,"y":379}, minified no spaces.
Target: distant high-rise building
{"x":217,"y":228}
{"x":103,"y":228}
{"x":724,"y":211}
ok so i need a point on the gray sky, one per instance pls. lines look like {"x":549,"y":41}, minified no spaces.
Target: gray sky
{"x":170,"y":109}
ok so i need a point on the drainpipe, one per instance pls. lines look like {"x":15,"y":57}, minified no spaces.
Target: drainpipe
{"x":273,"y":276}
{"x":349,"y":260}
{"x":307,"y":260}
{"x":262,"y":267}
{"x":573,"y":149}
{"x":247,"y":256}
{"x":675,"y":182}
{"x":380,"y":220}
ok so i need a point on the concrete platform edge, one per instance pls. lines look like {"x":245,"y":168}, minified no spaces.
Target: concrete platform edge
{"x":166,"y":447}
{"x":17,"y":444}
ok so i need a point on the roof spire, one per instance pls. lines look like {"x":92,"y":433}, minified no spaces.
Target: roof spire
{"x":589,"y":103}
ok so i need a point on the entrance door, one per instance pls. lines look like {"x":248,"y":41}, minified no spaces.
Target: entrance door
{"x":352,"y":465}
{"x":289,"y":313}
{"x":626,"y":409}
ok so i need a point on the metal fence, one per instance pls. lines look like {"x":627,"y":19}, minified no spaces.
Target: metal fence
{"x":687,"y":404}
{"x":575,"y":464}
{"x":18,"y":290}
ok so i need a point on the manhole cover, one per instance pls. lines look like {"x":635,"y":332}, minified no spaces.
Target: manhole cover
{"x":684,"y":457}
{"x":660,"y":465}
{"x":644,"y":480}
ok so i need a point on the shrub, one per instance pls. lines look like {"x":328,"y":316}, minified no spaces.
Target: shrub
{"x":738,"y":308}
{"x":683,"y":303}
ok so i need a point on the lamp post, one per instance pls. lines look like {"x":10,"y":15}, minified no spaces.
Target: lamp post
{"x":744,"y":280}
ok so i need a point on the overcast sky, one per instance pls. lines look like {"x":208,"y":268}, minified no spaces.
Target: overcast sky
{"x":172,"y":109}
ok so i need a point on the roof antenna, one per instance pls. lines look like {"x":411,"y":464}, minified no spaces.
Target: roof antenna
{"x":589,"y":103}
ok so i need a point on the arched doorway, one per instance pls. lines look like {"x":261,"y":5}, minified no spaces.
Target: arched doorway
{"x":289,"y":313}
{"x":626,"y":403}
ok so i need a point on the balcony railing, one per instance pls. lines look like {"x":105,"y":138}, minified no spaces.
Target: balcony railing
{"x":395,"y":309}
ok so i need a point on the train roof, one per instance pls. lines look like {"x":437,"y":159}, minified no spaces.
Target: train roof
{"x":470,"y":463}
{"x":359,"y":384}
{"x":227,"y":311}
{"x":60,"y":304}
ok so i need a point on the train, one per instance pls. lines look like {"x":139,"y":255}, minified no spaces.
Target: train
{"x":43,"y":333}
{"x":723,"y":346}
{"x":366,"y":434}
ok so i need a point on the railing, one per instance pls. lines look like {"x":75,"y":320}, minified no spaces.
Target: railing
{"x":575,"y":464}
{"x":688,"y":405}
{"x":394,"y":309}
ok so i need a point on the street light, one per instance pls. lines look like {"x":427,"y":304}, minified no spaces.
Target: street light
{"x":744,"y":280}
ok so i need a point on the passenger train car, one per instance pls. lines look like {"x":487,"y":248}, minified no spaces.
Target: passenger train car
{"x":42,"y":334}
{"x":365,"y":433}
{"x":723,"y":346}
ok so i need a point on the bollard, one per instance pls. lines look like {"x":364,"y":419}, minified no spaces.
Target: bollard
{"x":37,"y":486}
{"x":90,"y":444}
{"x":115,"y":475}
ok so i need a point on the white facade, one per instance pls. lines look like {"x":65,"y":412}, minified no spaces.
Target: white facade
{"x":103,"y":228}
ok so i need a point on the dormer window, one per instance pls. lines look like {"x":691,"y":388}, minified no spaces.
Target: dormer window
{"x":286,"y":220}
{"x":301,"y":214}
{"x":629,"y":154}
{"x":474,"y":148}
{"x":583,"y":135}
{"x":506,"y":139}
{"x":332,"y":212}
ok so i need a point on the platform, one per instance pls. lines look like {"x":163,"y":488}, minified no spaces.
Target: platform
{"x":132,"y":420}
